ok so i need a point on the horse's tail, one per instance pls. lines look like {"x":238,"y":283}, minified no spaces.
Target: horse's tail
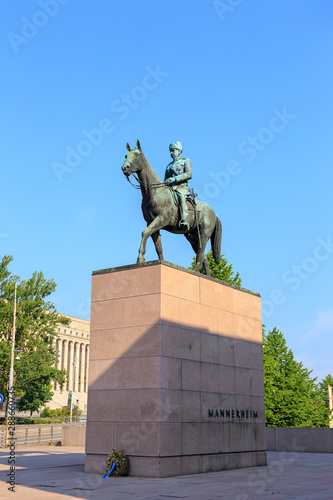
{"x":216,"y":239}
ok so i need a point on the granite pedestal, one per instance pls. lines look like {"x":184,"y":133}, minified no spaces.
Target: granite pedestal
{"x":176,"y":372}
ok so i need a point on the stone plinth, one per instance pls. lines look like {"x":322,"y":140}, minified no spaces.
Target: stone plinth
{"x":176,"y":372}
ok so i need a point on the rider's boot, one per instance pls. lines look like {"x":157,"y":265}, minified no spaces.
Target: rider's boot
{"x":183,"y":223}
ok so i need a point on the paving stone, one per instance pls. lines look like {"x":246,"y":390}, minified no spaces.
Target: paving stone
{"x":58,"y":474}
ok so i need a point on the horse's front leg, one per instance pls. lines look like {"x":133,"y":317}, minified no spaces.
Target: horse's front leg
{"x":155,"y":226}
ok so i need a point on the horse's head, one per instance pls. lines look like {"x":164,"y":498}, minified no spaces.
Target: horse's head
{"x":133,"y":162}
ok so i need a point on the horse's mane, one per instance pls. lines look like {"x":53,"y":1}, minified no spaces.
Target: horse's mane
{"x":154,"y":178}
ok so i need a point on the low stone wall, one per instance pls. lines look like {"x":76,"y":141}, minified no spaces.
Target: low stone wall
{"x":302,"y":439}
{"x":311,"y":440}
{"x":73,"y":435}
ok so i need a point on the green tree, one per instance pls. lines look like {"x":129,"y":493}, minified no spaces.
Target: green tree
{"x":292,"y":397}
{"x":323,"y":385}
{"x":222,"y":271}
{"x":323,"y":388}
{"x":36,"y":322}
{"x":37,"y":394}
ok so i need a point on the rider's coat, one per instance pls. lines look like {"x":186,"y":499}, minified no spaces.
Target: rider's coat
{"x":181,"y":170}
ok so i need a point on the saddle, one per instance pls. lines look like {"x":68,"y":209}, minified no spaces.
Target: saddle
{"x":191,"y":205}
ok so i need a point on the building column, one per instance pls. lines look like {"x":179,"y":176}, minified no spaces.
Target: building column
{"x":64,"y":356}
{"x":58,"y":362}
{"x":82,"y":366}
{"x":77,"y":366}
{"x":70,"y":366}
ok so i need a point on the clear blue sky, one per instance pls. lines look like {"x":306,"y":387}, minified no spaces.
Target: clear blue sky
{"x":247,"y":82}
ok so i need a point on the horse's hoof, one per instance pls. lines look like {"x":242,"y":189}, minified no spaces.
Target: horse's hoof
{"x":140,"y":260}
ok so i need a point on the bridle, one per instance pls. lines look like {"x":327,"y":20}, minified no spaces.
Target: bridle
{"x":141,"y":183}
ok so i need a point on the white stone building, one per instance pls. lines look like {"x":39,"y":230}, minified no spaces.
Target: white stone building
{"x":73,"y":342}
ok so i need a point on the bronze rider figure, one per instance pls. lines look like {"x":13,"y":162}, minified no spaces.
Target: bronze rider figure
{"x":177,"y":173}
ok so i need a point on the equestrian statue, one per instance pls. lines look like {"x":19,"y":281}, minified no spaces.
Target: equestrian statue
{"x":171,"y":205}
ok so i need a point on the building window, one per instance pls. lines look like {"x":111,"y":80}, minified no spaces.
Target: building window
{"x":70,"y":332}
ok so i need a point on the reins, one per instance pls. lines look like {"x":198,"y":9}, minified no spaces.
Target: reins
{"x":144,"y":184}
{"x":128,"y":178}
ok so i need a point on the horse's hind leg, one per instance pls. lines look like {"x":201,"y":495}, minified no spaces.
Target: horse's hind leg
{"x":158,"y":244}
{"x":200,"y":253}
{"x":206,"y":265}
{"x":201,"y":257}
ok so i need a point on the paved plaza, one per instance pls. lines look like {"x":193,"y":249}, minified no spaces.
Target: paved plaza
{"x":50,"y":472}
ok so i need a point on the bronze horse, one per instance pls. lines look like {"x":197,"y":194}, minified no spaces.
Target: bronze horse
{"x":160,"y":211}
